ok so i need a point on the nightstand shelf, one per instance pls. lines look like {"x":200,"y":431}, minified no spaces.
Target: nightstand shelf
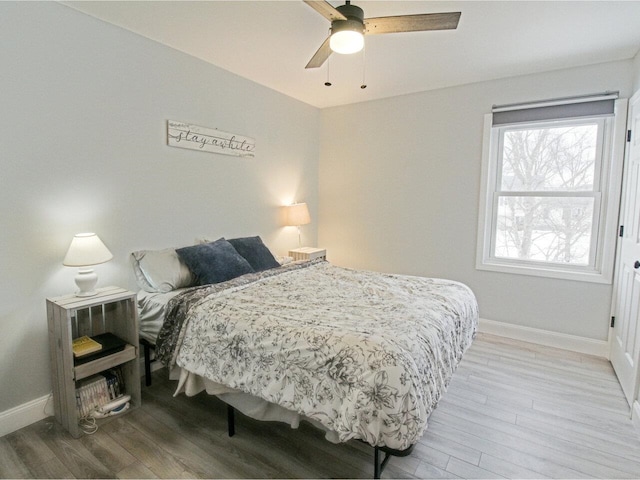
{"x":87,"y":369}
{"x":112,"y":310}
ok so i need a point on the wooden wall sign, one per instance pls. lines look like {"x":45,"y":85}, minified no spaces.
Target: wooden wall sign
{"x":194,"y":137}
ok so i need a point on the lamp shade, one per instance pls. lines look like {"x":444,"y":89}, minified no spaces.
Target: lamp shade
{"x":86,"y":249}
{"x":297,"y":214}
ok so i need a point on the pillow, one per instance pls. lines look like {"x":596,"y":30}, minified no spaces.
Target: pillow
{"x":160,"y":271}
{"x":255,"y":252}
{"x":214,"y":262}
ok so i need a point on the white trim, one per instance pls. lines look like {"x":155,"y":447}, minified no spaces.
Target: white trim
{"x":589,"y":346}
{"x":544,"y":271}
{"x":485,"y":204}
{"x":30,"y":412}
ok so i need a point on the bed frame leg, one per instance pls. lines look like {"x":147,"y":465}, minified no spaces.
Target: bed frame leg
{"x":147,"y":363}
{"x":378,"y":466}
{"x":147,"y":366}
{"x":231,"y":420}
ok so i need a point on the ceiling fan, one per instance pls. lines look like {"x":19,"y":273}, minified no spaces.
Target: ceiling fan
{"x":348,"y":27}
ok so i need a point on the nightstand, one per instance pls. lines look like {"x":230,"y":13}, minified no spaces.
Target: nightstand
{"x":112,"y":310}
{"x":307,"y":253}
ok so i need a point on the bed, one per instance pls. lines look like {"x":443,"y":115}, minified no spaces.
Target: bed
{"x":361,"y":355}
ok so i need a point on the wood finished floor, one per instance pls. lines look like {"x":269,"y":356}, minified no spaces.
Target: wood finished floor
{"x":513,"y":410}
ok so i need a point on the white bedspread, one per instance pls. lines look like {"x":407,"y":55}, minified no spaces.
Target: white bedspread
{"x":365,"y":354}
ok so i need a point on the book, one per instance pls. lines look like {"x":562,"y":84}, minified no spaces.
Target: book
{"x":84,"y":345}
{"x":98,"y":390}
{"x":110,"y":344}
{"x":90,"y":393}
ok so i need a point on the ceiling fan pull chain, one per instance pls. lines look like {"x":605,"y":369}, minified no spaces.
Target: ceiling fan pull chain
{"x":328,"y":83}
{"x":364,"y":64}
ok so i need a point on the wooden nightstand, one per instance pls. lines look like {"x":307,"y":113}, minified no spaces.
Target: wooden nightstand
{"x":112,"y":310}
{"x":307,"y":253}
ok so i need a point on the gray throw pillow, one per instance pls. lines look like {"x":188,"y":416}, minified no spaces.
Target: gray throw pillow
{"x":214,"y":262}
{"x":255,"y":252}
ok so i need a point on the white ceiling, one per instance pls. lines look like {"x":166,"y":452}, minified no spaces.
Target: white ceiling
{"x":270,"y":42}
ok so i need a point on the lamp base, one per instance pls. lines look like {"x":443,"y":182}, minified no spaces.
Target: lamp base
{"x":86,"y":280}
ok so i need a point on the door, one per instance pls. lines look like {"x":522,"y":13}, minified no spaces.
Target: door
{"x":625,"y":345}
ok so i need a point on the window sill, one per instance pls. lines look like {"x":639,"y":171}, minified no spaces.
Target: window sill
{"x":547,"y":272}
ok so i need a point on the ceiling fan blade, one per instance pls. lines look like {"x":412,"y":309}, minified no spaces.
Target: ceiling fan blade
{"x":321,"y":55}
{"x":325,"y":9}
{"x":412,"y":23}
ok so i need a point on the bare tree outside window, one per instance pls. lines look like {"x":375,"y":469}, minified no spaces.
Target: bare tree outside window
{"x":546,"y":204}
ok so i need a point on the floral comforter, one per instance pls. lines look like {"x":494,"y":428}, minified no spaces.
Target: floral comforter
{"x":368,"y":355}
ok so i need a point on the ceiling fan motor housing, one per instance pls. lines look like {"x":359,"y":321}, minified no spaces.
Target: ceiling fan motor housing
{"x":354,"y":21}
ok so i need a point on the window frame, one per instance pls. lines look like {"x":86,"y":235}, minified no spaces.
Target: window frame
{"x":606,"y":194}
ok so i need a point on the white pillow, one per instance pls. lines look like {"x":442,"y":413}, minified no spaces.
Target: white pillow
{"x":284,"y":260}
{"x":160,"y":271}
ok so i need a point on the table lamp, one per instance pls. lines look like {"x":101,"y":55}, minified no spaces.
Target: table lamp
{"x":296,"y":215}
{"x":86,"y":250}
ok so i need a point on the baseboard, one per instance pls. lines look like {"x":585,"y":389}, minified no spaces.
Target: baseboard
{"x":589,"y":346}
{"x":25,"y":414}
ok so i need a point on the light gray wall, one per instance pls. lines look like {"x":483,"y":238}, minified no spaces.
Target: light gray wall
{"x":636,"y":72}
{"x":399,"y":189}
{"x":83,"y":148}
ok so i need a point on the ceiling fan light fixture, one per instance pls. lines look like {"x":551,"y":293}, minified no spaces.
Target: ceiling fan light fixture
{"x":347,"y":36}
{"x":346,"y":41}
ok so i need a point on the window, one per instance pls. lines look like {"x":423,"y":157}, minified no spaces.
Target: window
{"x":551,"y":189}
